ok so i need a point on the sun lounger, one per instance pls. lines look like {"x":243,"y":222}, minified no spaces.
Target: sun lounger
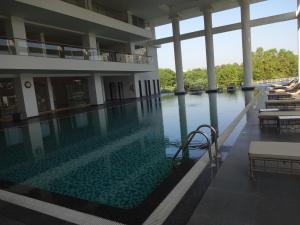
{"x":292,"y":88}
{"x":285,"y":85}
{"x":279,"y":96}
{"x":283,"y":104}
{"x":289,"y":122}
{"x":274,"y":157}
{"x":269,"y":110}
{"x":272,"y":118}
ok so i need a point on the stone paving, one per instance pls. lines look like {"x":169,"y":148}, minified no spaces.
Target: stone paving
{"x":234,"y":199}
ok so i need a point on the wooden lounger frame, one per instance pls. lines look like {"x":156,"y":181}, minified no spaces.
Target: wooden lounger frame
{"x":283,"y":104}
{"x":278,"y":96}
{"x":284,"y":164}
{"x":283,"y":119}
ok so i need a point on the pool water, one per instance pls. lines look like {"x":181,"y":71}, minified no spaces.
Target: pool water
{"x":115,"y":156}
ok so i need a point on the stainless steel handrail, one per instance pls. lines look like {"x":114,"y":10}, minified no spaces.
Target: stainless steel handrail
{"x":214,"y":138}
{"x":190,"y":137}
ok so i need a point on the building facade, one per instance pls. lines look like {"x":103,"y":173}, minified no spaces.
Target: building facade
{"x":63,"y":54}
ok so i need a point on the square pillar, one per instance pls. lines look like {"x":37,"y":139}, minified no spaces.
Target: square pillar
{"x":26,"y":98}
{"x":88,"y":4}
{"x":89,"y":42}
{"x":178,"y":57}
{"x":210,"y":58}
{"x":246,"y":40}
{"x":96,"y":90}
{"x":43,"y":40}
{"x":18,"y":32}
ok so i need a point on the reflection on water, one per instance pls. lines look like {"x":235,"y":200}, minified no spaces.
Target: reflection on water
{"x":115,"y":156}
{"x":213,"y":111}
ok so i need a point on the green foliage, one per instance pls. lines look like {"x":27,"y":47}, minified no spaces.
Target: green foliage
{"x":267,"y":64}
{"x":229,"y":74}
{"x":274,"y":64}
{"x":195,"y":79}
{"x":167,"y":80}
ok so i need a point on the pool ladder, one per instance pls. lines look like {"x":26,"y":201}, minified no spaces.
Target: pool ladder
{"x":213,"y":156}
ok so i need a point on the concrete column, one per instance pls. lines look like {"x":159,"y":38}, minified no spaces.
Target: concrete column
{"x":26,"y":98}
{"x":246,"y":39}
{"x":19,"y":33}
{"x":129,"y":15}
{"x":89,"y":41}
{"x":42,"y":36}
{"x":51,"y":95}
{"x":96,"y":89}
{"x":88,"y":4}
{"x":178,"y":57}
{"x":298,"y":19}
{"x":210,"y":58}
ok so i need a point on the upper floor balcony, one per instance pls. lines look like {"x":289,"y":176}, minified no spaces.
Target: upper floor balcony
{"x":78,"y":17}
{"x":68,"y":57}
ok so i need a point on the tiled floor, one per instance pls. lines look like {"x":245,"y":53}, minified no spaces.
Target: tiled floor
{"x":234,"y":199}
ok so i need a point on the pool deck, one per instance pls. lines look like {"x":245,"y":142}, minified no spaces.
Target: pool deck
{"x":233,"y":199}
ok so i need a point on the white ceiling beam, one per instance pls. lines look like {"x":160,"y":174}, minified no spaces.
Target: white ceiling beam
{"x":227,"y":28}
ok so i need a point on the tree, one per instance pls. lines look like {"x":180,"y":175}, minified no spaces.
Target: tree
{"x":229,"y":74}
{"x":195,"y":79}
{"x":267,"y":64}
{"x":167,"y":80}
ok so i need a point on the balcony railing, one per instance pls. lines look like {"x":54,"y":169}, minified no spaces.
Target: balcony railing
{"x":16,"y":46}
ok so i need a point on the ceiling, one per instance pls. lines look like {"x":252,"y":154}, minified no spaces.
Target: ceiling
{"x":157,"y":12}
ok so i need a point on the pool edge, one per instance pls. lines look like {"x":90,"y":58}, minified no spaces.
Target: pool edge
{"x":165,"y":208}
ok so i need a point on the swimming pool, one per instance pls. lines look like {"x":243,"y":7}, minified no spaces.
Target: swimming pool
{"x":115,"y":157}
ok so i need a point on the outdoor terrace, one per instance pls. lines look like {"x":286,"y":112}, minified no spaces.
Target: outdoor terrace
{"x":233,"y":198}
{"x":16,"y":46}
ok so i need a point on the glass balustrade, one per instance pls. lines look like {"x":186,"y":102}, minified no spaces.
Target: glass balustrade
{"x":14,"y":46}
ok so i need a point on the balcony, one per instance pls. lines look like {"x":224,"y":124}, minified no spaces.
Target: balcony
{"x":21,"y":47}
{"x":74,"y":17}
{"x":103,"y":10}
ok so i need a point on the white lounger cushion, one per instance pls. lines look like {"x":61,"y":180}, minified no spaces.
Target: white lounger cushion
{"x":283,"y":101}
{"x":275,"y":150}
{"x":278,"y":113}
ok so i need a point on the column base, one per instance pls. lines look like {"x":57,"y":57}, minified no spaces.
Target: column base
{"x":248,"y":88}
{"x":212,"y":91}
{"x":180,"y":93}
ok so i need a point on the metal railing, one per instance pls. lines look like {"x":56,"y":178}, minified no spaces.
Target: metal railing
{"x":213,"y":156}
{"x":17,"y":46}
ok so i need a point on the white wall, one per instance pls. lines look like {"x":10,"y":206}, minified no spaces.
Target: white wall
{"x":26,"y":98}
{"x":142,"y":77}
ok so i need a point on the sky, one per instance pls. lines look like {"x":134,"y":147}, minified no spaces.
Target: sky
{"x":228,"y":46}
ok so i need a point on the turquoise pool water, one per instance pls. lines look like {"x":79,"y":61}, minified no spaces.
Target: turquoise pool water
{"x":115,"y":156}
